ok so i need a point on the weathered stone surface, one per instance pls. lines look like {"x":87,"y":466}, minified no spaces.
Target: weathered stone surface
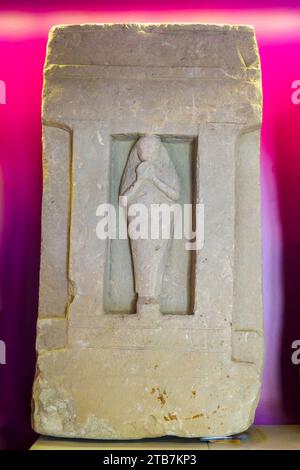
{"x":188,"y":363}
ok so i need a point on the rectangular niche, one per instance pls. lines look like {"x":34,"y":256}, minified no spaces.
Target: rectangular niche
{"x":177,"y":296}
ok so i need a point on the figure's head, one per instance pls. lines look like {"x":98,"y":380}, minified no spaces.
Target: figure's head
{"x":148,"y":148}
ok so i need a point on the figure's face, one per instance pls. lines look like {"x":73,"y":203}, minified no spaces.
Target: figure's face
{"x":148,"y":148}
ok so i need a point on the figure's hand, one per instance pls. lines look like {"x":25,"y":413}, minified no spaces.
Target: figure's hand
{"x":145,"y":170}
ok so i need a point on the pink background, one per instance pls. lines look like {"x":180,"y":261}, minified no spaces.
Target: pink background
{"x":23,"y":36}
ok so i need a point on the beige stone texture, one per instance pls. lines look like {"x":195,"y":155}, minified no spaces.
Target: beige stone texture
{"x":188,"y":364}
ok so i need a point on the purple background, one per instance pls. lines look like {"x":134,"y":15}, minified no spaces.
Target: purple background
{"x":23,"y":36}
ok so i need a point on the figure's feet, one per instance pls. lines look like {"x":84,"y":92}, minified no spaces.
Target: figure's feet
{"x":147,"y":305}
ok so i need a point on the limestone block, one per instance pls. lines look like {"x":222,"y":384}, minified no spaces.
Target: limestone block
{"x":146,"y":338}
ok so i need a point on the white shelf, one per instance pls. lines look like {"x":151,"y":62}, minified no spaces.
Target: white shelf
{"x":256,"y":438}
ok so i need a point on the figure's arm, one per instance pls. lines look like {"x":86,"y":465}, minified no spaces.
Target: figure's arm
{"x":171,"y":193}
{"x":131,"y":190}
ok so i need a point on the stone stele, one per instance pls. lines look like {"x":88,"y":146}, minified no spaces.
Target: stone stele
{"x":144,"y":338}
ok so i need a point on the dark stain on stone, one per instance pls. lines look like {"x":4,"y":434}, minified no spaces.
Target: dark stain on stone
{"x":161,"y":396}
{"x":196,"y":416}
{"x":170,"y":417}
{"x":162,"y":399}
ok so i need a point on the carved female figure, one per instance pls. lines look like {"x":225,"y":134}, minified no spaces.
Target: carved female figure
{"x":149,"y":178}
